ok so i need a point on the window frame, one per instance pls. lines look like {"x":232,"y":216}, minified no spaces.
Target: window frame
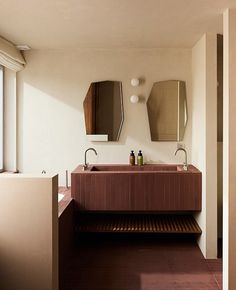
{"x":1,"y":118}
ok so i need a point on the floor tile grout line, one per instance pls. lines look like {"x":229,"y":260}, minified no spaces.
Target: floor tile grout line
{"x":220,"y":287}
{"x":213,"y":274}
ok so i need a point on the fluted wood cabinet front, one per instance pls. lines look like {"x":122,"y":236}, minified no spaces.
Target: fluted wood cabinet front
{"x":137,"y":191}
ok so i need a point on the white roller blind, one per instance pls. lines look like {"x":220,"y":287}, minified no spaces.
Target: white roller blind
{"x":11,"y":57}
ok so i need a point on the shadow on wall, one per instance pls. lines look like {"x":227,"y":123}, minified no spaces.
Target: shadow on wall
{"x":53,"y":86}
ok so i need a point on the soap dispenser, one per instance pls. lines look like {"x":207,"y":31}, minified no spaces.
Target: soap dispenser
{"x":132,"y":158}
{"x":140,"y":158}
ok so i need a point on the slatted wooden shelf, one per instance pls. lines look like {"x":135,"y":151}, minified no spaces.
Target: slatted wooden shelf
{"x":139,"y":223}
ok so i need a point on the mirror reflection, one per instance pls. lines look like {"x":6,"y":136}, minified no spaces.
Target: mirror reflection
{"x":103,"y":110}
{"x":167,"y":111}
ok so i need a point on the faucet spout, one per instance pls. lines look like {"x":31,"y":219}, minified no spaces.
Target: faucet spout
{"x":185,"y":167}
{"x":85,"y":166}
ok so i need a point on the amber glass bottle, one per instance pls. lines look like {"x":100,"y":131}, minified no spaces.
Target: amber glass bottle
{"x":132,"y":158}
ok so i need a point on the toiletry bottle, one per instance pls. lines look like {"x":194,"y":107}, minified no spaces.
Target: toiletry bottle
{"x":132,"y":158}
{"x":140,"y":158}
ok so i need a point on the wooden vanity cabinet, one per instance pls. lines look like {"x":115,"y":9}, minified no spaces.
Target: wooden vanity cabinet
{"x":135,"y":191}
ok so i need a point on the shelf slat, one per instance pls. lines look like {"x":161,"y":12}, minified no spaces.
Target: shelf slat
{"x":140,"y":223}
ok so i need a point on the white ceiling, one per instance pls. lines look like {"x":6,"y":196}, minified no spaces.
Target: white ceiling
{"x":110,"y":23}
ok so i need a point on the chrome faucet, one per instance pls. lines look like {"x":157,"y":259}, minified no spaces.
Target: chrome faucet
{"x":185,"y":167}
{"x":85,"y":166}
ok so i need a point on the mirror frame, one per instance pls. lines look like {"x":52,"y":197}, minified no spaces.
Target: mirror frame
{"x":88,"y":114}
{"x":181,"y":87}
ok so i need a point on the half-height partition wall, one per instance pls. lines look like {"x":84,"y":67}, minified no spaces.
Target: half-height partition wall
{"x":28,"y":232}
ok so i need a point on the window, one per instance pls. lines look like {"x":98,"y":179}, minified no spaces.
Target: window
{"x":1,"y":118}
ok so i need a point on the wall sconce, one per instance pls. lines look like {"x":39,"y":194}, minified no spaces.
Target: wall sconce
{"x":134,"y":99}
{"x":135,"y":82}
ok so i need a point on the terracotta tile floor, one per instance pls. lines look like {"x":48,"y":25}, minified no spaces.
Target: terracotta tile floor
{"x":138,"y":262}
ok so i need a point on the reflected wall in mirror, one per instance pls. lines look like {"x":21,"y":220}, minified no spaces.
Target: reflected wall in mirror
{"x":167,"y":111}
{"x":103,"y":111}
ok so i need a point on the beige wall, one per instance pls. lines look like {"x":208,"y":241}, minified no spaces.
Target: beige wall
{"x":53,"y":86}
{"x":204,"y":137}
{"x":229,"y":152}
{"x":28,"y":232}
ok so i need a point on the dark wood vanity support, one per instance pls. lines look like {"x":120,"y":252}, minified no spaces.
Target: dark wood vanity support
{"x":137,"y":189}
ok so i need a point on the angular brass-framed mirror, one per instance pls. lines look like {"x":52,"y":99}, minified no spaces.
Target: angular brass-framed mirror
{"x":103,"y":111}
{"x":167,"y":110}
